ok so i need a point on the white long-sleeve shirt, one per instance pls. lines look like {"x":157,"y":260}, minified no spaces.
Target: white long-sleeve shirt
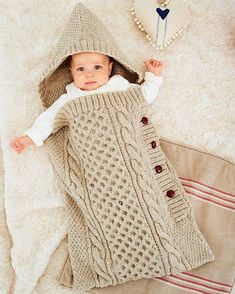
{"x":43,"y":125}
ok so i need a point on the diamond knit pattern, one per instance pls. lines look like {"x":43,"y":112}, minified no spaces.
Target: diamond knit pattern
{"x":113,"y":197}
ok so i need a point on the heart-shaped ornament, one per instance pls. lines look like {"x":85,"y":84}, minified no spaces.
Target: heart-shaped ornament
{"x":162,"y":13}
{"x":161,"y":21}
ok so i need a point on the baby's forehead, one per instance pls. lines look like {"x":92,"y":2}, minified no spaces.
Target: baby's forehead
{"x":89,"y":57}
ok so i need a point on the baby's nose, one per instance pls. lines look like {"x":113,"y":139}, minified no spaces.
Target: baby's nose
{"x":90,"y":73}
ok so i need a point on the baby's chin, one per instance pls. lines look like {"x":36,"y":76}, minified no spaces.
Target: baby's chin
{"x":91,"y":86}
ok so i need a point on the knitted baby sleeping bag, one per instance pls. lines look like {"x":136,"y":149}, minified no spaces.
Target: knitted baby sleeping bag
{"x":128,"y":214}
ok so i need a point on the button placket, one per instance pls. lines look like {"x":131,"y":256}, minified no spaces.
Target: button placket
{"x":158,"y":168}
{"x":161,"y":167}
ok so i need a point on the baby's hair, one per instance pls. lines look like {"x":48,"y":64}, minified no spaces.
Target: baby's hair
{"x":111,"y":59}
{"x":70,"y":60}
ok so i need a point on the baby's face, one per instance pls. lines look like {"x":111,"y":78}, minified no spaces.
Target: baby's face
{"x":90,"y":70}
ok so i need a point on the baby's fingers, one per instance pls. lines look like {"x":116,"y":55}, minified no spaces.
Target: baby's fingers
{"x":19,"y":149}
{"x":155,"y":63}
{"x":147,"y":62}
{"x":13,"y":144}
{"x":16,"y":146}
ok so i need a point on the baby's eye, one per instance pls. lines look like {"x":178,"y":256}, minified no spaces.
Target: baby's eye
{"x":98,"y":66}
{"x":81,"y":68}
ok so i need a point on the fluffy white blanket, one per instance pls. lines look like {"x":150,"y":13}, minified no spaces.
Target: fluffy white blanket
{"x":195,"y":107}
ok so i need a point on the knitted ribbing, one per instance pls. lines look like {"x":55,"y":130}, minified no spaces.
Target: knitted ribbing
{"x":121,"y":224}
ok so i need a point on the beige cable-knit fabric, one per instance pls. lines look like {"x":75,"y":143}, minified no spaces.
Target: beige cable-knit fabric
{"x":121,"y":223}
{"x":128,"y":214}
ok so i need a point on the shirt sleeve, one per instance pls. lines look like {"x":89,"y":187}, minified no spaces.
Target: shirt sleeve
{"x":43,"y":125}
{"x":150,"y":86}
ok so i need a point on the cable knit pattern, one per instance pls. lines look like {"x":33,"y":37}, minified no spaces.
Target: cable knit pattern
{"x":121,"y":224}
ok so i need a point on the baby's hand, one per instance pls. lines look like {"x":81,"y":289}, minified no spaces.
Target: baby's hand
{"x":21,"y":143}
{"x":154,"y":66}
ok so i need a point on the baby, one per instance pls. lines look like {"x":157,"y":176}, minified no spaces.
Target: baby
{"x":91,"y":73}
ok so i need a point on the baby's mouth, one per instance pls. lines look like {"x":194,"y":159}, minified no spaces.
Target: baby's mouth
{"x":90,"y":83}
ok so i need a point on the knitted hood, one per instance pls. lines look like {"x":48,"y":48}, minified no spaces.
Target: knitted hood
{"x":83,"y":32}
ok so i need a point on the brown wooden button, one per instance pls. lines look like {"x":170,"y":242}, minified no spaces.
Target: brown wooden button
{"x":144,"y":120}
{"x":154,"y":144}
{"x":170,"y":193}
{"x":158,"y":168}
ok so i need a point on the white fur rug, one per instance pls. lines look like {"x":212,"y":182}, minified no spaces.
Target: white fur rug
{"x":195,"y":107}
